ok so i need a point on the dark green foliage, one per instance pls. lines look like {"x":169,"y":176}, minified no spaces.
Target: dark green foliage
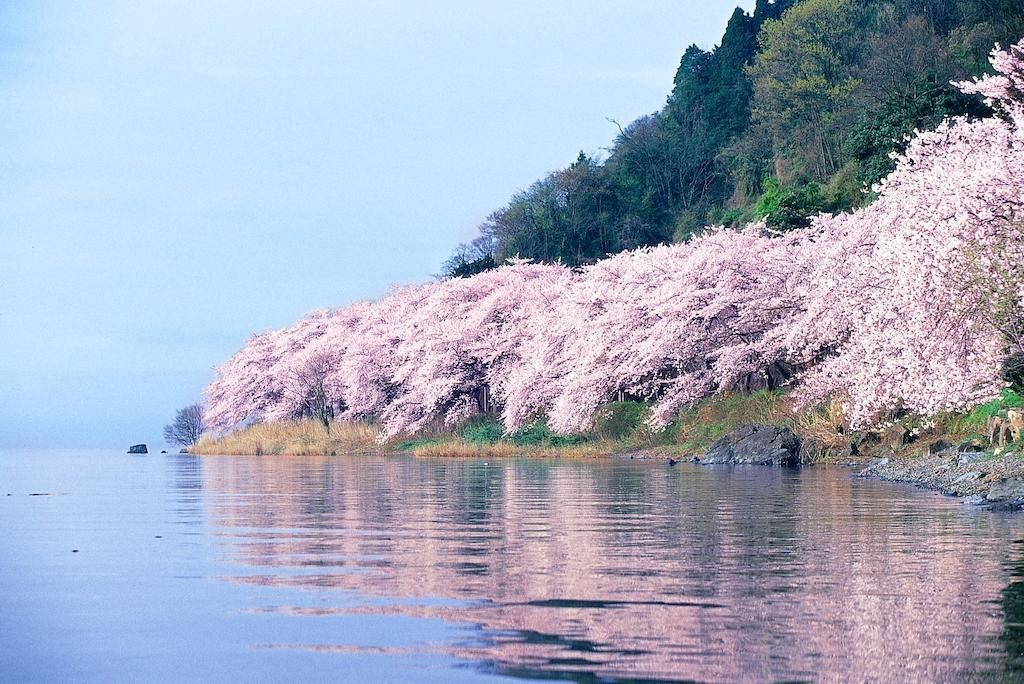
{"x":464,"y":269}
{"x":619,"y":419}
{"x":538,"y":434}
{"x":882,"y":131}
{"x":564,"y":217}
{"x":797,"y":111}
{"x":482,"y":429}
{"x":786,"y":208}
{"x":471,"y":258}
{"x":1013,"y":371}
{"x":487,"y":429}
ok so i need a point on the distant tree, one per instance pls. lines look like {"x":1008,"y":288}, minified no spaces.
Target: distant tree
{"x":566,"y":217}
{"x":805,"y":83}
{"x":907,"y":61}
{"x":471,"y":258}
{"x":187,"y":428}
{"x":887,"y":128}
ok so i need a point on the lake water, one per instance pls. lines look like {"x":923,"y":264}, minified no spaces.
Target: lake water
{"x":372,"y":569}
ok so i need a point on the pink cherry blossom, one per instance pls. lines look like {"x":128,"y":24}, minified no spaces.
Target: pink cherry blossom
{"x":909,"y":304}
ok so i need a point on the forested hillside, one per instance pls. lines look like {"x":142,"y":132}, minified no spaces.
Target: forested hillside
{"x":796,"y":112}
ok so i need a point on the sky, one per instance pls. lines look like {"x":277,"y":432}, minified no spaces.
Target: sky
{"x":177,"y":175}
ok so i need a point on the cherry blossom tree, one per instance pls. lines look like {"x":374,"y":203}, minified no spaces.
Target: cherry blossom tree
{"x":916,"y":299}
{"x":673,"y":324}
{"x":464,"y":339}
{"x":909,"y":304}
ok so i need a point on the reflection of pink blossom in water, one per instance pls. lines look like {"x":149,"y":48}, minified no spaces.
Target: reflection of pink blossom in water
{"x":623,"y":569}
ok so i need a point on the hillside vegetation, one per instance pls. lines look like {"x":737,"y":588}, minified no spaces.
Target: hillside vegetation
{"x":797,"y":111}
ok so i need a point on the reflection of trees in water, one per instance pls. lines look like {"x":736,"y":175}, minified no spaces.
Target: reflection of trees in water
{"x":1012,"y":635}
{"x":703,"y":573}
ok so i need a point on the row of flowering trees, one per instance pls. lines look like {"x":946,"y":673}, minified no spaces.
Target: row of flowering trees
{"x":911,"y":303}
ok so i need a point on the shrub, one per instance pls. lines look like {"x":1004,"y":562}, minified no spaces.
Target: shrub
{"x":539,"y":434}
{"x":619,"y":419}
{"x":482,"y":429}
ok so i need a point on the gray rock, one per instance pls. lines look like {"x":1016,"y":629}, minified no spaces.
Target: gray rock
{"x":1006,"y":489}
{"x":756,"y":444}
{"x":969,"y":457}
{"x":939,"y":447}
{"x":974,"y":499}
{"x":138,"y":449}
{"x":967,"y":477}
{"x":873,"y":468}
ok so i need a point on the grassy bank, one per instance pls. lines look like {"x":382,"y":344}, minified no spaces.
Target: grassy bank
{"x":621,"y":428}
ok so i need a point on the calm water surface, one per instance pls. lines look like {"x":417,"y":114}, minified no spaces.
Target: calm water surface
{"x":371,"y":569}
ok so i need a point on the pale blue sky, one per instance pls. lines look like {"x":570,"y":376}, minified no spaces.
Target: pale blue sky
{"x":177,"y":175}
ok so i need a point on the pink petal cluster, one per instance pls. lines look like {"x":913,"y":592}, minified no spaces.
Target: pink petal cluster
{"x":911,"y":303}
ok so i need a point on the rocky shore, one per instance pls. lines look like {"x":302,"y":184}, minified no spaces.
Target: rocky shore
{"x":966,"y":470}
{"x":980,"y":478}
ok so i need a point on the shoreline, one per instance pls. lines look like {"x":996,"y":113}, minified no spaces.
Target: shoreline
{"x":974,"y":477}
{"x":977,"y":456}
{"x":978,"y":478}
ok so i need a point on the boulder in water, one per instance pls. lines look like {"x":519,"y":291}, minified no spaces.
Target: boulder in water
{"x":138,"y":449}
{"x":756,"y":444}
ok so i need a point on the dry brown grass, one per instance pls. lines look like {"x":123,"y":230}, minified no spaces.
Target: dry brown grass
{"x":460,"y":448}
{"x":297,"y":438}
{"x":825,"y":424}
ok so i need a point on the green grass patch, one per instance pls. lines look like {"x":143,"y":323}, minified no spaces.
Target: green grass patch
{"x":482,"y":429}
{"x":973,"y":423}
{"x":707,"y":420}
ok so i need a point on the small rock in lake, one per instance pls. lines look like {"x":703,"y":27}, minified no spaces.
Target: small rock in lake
{"x":74,"y":550}
{"x":672,"y":461}
{"x":138,"y":449}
